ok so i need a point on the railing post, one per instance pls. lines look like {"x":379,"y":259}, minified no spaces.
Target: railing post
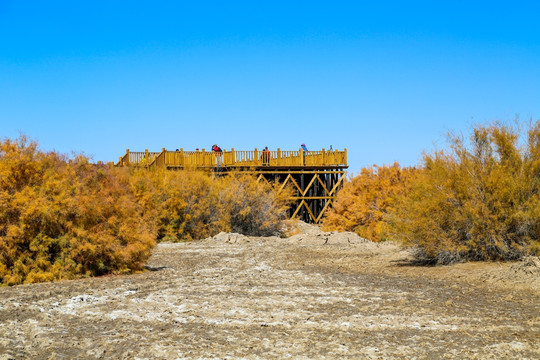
{"x":146,"y":162}
{"x":203,"y":157}
{"x":255,"y":157}
{"x":127,"y":156}
{"x":278,"y":160}
{"x":164,"y":155}
{"x":323,"y":157}
{"x":233,"y":157}
{"x":120,"y":162}
{"x":345,"y":160}
{"x":181,"y":157}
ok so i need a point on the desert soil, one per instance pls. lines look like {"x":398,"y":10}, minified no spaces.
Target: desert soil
{"x":314,"y":295}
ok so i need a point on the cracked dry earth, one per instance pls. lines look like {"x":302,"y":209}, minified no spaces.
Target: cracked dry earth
{"x":314,"y":295}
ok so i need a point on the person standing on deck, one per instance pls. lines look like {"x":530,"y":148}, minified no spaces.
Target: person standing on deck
{"x":305,"y":150}
{"x":266,"y":156}
{"x":218,"y":153}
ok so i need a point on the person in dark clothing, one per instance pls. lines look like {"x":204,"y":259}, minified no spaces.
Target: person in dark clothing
{"x":266,"y":156}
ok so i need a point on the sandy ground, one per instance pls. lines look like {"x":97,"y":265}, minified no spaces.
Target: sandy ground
{"x":314,"y":295}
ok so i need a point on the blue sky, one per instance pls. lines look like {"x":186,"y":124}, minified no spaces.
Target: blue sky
{"x":384,"y":79}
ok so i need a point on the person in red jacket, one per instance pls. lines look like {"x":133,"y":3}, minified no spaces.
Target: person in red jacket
{"x":218,"y":153}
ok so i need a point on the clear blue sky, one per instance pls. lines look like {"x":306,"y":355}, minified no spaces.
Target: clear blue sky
{"x":384,"y":79}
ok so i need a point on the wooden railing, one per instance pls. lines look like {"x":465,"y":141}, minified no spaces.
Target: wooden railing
{"x":235,"y":158}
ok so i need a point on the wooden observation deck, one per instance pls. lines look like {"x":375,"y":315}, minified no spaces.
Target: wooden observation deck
{"x":316,"y":176}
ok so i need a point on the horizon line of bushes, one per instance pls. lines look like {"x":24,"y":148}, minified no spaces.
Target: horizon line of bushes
{"x":477,"y":200}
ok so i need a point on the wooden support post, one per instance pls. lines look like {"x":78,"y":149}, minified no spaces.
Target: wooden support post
{"x":127,"y":156}
{"x":233,"y":157}
{"x":146,"y":162}
{"x":278,"y":160}
{"x":323,"y":157}
{"x":345,"y":160}
{"x":181,"y":160}
{"x":120,"y":162}
{"x":256,"y":158}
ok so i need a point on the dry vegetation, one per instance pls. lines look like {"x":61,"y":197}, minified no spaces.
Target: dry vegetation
{"x":60,"y":219}
{"x":365,"y":201}
{"x":66,"y":218}
{"x":192,"y":205}
{"x":63,"y":219}
{"x":479,"y":200}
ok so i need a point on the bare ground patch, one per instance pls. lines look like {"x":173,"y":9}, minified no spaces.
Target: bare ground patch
{"x":313,"y":295}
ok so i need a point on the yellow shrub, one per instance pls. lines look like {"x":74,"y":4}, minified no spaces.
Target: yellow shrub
{"x":63,"y":220}
{"x":364,"y":201}
{"x":193,"y":204}
{"x":479,"y":201}
{"x":253,"y":208}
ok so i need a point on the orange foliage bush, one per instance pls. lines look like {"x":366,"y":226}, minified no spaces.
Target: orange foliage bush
{"x":253,"y":208}
{"x":363,"y":203}
{"x":193,"y":205}
{"x":63,"y":220}
{"x":478,"y":201}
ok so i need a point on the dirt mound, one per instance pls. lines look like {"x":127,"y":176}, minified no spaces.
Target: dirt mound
{"x":230,"y":238}
{"x":312,"y":235}
{"x":304,"y":234}
{"x":300,"y":227}
{"x":331,"y":238}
